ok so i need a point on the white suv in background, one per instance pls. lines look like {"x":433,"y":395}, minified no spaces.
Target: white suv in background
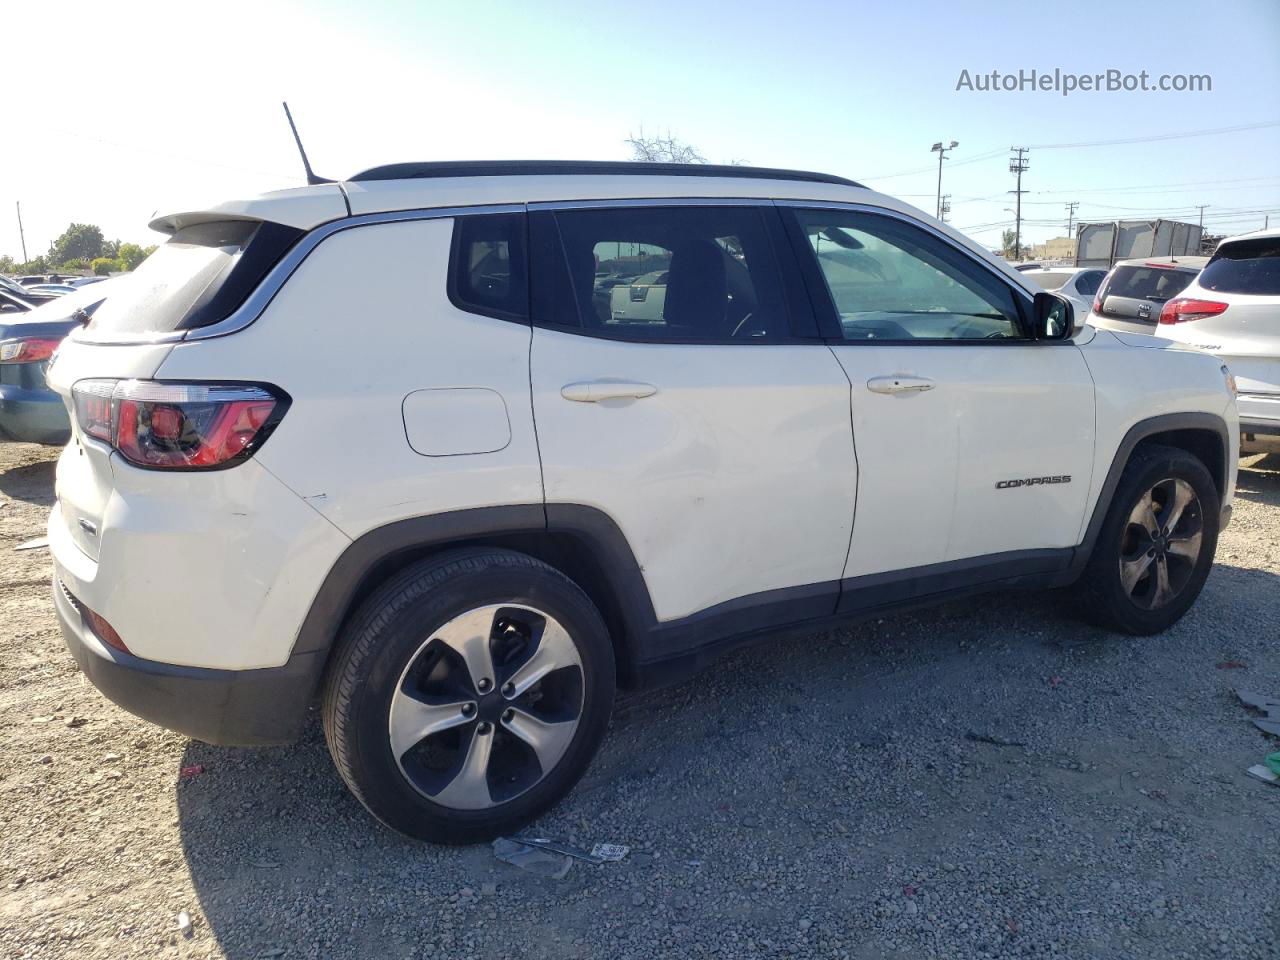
{"x":1078,"y":284}
{"x":1232,"y":310}
{"x":465,"y":504}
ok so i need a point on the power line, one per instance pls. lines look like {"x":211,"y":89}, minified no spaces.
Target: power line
{"x":1160,"y":136}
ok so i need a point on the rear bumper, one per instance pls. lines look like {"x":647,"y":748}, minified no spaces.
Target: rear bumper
{"x":33,"y":415}
{"x":224,"y":707}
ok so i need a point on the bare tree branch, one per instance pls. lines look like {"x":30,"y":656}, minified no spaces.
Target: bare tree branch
{"x":666,"y":149}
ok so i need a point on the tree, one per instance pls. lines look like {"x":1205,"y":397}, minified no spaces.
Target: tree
{"x":103,"y":266}
{"x":666,"y":149}
{"x":7,"y":265}
{"x":131,"y":255}
{"x":80,"y":241}
{"x":1009,"y":245}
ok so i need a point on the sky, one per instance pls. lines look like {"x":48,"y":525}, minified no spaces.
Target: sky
{"x":119,"y":112}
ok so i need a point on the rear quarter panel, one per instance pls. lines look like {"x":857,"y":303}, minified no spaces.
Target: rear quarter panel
{"x":349,"y":352}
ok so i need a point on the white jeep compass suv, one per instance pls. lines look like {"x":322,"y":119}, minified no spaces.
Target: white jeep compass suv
{"x":466,"y":502}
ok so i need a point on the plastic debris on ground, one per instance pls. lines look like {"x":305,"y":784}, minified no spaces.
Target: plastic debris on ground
{"x":1265,"y":773}
{"x":535,"y":860}
{"x":552,"y":858}
{"x":35,"y":544}
{"x":191,"y":772}
{"x":1268,"y":706}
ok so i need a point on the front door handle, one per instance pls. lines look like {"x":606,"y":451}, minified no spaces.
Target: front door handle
{"x":593,"y":391}
{"x":900,"y":384}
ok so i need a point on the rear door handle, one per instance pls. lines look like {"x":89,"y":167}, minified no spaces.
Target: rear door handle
{"x":593,"y":391}
{"x":900,"y":384}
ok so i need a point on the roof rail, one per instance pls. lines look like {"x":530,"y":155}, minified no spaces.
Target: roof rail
{"x":526,"y":168}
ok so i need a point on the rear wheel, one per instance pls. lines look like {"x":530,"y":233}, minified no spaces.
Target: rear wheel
{"x":468,"y":695}
{"x":1156,"y":544}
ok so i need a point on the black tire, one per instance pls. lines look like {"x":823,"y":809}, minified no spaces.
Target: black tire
{"x":1101,"y":590}
{"x":388,"y":633}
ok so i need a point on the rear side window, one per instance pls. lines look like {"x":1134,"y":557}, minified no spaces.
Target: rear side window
{"x":696,"y":274}
{"x":487,"y":272}
{"x":199,"y":277}
{"x":1088,"y":282}
{"x":1246,"y":266}
{"x":1156,"y":284}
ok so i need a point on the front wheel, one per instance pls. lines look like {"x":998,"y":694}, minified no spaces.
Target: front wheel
{"x":1156,"y":544}
{"x":468,"y":695}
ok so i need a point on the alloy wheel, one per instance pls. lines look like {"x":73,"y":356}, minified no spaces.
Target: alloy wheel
{"x":486,"y":706}
{"x":1161,"y":543}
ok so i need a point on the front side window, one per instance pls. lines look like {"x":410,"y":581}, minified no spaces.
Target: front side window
{"x":700,"y":274}
{"x":1246,"y":266}
{"x":889,"y":280}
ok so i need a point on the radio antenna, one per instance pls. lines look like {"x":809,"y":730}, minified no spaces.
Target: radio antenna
{"x":312,"y":179}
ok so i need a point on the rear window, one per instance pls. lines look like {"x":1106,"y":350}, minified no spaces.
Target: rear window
{"x":1049,"y":281}
{"x":1156,"y":284}
{"x":199,"y":277}
{"x":1246,"y":266}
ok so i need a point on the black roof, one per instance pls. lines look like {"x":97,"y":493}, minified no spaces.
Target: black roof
{"x":524,"y":168}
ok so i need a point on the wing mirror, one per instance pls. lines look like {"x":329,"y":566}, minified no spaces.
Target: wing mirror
{"x":1055,"y":317}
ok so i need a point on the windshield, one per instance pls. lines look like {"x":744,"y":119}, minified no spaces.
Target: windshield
{"x":1049,"y":281}
{"x":1246,"y":266}
{"x":1156,"y":284}
{"x":180,"y":276}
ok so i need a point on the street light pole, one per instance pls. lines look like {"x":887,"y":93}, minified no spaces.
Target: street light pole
{"x":942,"y":155}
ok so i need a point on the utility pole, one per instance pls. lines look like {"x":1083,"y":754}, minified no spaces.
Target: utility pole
{"x":1201,"y":207}
{"x":1071,"y":214}
{"x":21,"y":236}
{"x":1018,"y":165}
{"x":945,"y":207}
{"x":942,"y":152}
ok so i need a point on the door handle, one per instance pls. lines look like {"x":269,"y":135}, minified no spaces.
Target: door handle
{"x":593,"y":391}
{"x":900,"y":384}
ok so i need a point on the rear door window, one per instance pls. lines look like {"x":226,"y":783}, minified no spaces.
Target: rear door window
{"x":200,"y":276}
{"x":695,"y":274}
{"x":1245,"y":266}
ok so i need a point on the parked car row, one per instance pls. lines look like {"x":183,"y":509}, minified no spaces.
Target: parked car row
{"x":1227,"y":305}
{"x":29,"y":409}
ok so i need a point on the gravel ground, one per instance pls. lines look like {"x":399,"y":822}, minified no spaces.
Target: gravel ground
{"x":989,"y":779}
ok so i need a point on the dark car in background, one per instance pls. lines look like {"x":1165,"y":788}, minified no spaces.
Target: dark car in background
{"x":29,"y":410}
{"x":12,"y":290}
{"x":1134,"y":292}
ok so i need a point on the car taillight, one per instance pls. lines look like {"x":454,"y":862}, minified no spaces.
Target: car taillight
{"x":27,"y":349}
{"x":1097,"y":305}
{"x":1187,"y":308}
{"x":178,"y":426}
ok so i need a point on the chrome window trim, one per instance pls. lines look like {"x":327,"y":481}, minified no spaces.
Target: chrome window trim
{"x":258,"y":301}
